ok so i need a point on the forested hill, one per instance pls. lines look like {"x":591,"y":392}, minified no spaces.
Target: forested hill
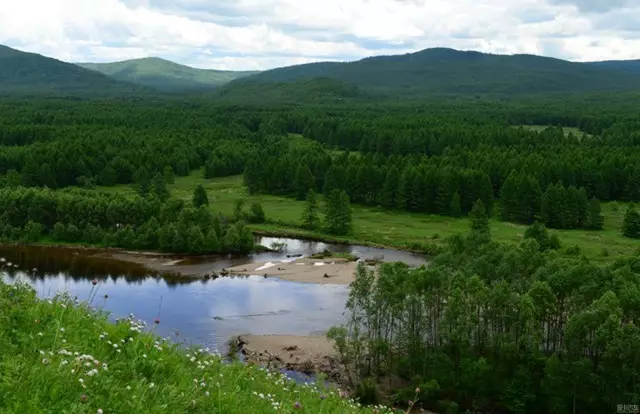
{"x":450,"y":72}
{"x":632,"y":66}
{"x":30,"y":74}
{"x":165,"y":75}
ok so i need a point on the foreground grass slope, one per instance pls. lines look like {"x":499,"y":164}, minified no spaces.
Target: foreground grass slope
{"x":394,"y":228}
{"x":57,"y":356}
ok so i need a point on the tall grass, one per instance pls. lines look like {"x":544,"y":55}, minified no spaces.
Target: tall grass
{"x":60,"y":355}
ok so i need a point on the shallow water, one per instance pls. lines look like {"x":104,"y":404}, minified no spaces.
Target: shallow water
{"x":202,"y":312}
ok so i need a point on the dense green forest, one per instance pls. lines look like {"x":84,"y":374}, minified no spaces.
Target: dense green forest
{"x":432,"y":161}
{"x":494,"y":328}
{"x":487,"y":326}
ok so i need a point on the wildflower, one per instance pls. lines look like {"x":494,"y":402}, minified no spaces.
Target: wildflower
{"x":418,"y":390}
{"x":156,"y":321}
{"x":39,"y":333}
{"x":99,"y":411}
{"x":45,"y":361}
{"x":128,"y":387}
{"x":206,"y":393}
{"x":152,"y":385}
{"x":84,"y":398}
{"x":94,"y":282}
{"x":42,"y":353}
{"x":81,"y":381}
{"x":297,"y":405}
{"x":61,"y":329}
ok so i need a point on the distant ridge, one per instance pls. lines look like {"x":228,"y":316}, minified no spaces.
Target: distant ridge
{"x":632,"y":66}
{"x":31,"y":74}
{"x":453,"y":72}
{"x":164,"y":75}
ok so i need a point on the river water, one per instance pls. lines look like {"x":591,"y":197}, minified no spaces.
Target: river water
{"x":203,"y":312}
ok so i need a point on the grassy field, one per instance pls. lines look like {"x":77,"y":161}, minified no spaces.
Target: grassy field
{"x":61,"y":357}
{"x":566,"y":130}
{"x":390,"y":228}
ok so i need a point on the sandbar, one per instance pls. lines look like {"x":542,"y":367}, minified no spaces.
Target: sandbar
{"x":305,"y":270}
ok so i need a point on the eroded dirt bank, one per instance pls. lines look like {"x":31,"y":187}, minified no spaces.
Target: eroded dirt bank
{"x":305,"y":354}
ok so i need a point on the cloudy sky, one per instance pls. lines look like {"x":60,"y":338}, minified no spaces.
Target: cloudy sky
{"x":262,"y":34}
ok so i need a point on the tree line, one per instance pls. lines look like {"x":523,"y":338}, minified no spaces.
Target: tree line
{"x":99,"y":218}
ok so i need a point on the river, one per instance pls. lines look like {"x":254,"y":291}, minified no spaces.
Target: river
{"x":195,"y":311}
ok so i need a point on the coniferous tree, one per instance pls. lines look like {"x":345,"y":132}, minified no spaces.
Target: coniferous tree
{"x":169,"y":175}
{"x":595,"y":220}
{"x":200,"y":197}
{"x":631,"y":223}
{"x":338,"y":213}
{"x":143,"y":183}
{"x":390,"y":188}
{"x":252,"y":176}
{"x":479,"y":221}
{"x":310,"y":212}
{"x":455,"y":209}
{"x":238,"y":213}
{"x":160,"y":187}
{"x":509,"y":200}
{"x":304,"y":181}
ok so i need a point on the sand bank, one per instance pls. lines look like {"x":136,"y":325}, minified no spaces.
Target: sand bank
{"x":321,"y":271}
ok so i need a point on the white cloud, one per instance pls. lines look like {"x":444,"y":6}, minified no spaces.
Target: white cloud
{"x":260,"y":34}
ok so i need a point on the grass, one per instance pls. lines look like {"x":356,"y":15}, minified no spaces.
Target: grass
{"x":376,"y":226}
{"x":567,"y":130}
{"x":61,"y":356}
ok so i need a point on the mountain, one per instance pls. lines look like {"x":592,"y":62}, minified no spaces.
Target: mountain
{"x":165,"y":75}
{"x":30,"y":74}
{"x":442,"y":71}
{"x":625,"y":65}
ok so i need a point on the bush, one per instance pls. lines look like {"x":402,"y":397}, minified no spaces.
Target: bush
{"x":367,"y":392}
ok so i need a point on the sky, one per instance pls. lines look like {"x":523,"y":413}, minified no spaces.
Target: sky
{"x":263,"y":34}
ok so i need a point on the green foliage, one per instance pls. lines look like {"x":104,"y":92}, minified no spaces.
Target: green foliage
{"x":478,"y":218}
{"x":257,"y":213}
{"x":538,"y":232}
{"x":200,"y":197}
{"x":61,"y":357}
{"x":310,"y":213}
{"x":455,"y":209}
{"x":492,"y":325}
{"x":169,"y":175}
{"x":631,"y":223}
{"x":337,"y":212}
{"x":92,"y":217}
{"x":595,"y":219}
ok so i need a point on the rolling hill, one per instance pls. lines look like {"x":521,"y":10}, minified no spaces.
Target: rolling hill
{"x":443,"y":71}
{"x":30,"y":74}
{"x":165,"y":75}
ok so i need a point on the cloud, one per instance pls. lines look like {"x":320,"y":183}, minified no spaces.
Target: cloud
{"x":262,"y":34}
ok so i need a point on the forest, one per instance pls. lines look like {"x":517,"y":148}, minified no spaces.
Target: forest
{"x":488,"y":326}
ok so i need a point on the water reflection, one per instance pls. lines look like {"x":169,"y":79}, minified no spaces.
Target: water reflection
{"x":204,"y":312}
{"x":208,"y":313}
